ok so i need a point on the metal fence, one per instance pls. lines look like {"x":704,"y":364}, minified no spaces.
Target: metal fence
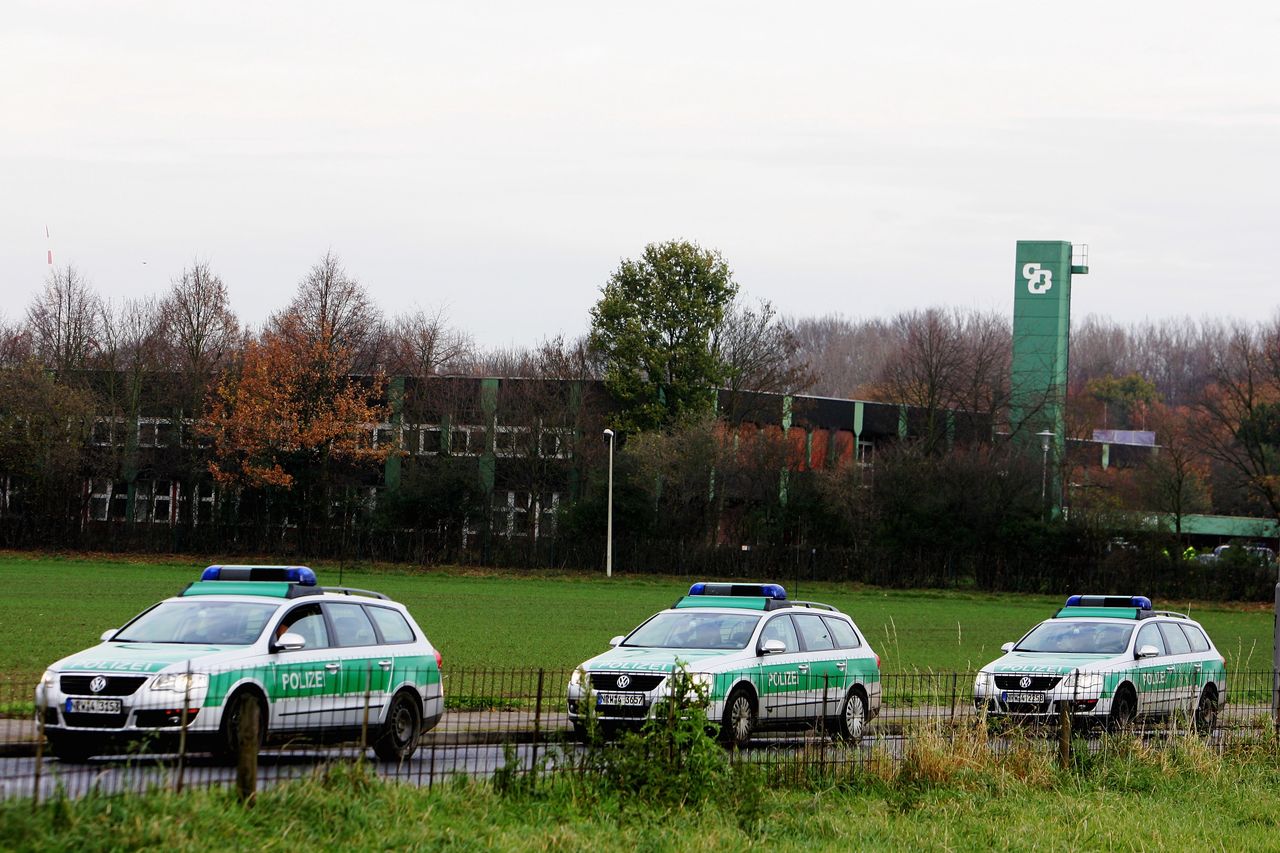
{"x":122,"y":735}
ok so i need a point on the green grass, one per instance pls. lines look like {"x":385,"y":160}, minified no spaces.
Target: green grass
{"x":1143,"y":802}
{"x":54,"y":606}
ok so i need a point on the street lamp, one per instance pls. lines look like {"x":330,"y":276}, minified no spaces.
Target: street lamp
{"x":608,"y":536}
{"x":1045,"y":437}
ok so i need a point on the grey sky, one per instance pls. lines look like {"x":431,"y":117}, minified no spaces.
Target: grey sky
{"x":500,"y":158}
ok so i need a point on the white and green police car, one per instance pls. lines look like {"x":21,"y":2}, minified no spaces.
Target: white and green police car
{"x":1108,"y":658}
{"x":765,"y":663}
{"x":321,"y":663}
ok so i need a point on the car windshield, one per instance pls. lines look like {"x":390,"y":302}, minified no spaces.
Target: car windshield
{"x":1077,"y":637}
{"x":218,"y":623}
{"x":688,"y":630}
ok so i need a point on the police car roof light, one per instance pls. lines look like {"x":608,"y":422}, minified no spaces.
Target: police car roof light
{"x":292,"y":574}
{"x":1141,"y":602}
{"x":755,"y":590}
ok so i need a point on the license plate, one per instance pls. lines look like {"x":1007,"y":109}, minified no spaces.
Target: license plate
{"x":1021,"y":697}
{"x":629,"y":699}
{"x":93,"y":706}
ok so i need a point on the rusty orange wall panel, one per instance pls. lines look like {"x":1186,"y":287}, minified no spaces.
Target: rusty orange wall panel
{"x":795,"y":449}
{"x":818,"y":449}
{"x":844,"y":448}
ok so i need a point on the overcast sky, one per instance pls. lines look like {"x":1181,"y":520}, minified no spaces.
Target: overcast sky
{"x":499,"y":159}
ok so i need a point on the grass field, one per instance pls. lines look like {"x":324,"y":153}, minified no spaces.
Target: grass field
{"x":53,"y":606}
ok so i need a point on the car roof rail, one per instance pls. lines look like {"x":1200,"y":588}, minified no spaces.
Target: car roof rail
{"x":1173,"y":613}
{"x":814,"y":604}
{"x":350,"y":590}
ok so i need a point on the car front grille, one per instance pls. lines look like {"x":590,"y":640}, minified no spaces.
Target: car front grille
{"x":117,"y":685}
{"x":1036,"y":682}
{"x":632,"y":682}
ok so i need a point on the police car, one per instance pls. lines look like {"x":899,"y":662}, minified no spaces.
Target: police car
{"x":1108,"y":658}
{"x":319,"y":663}
{"x":764,"y":662}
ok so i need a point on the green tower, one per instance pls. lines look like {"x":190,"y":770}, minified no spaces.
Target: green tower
{"x":1041,"y":333}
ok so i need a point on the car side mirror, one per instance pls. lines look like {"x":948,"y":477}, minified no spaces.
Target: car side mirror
{"x":617,"y":641}
{"x":108,"y":634}
{"x":1148,"y":651}
{"x":1007,"y":647}
{"x":290,"y":642}
{"x":772,"y":647}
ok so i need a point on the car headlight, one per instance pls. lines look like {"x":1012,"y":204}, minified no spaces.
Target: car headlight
{"x":575,"y":678}
{"x":48,"y":679}
{"x":982,"y":684}
{"x":1086,"y":682}
{"x":181,"y":682}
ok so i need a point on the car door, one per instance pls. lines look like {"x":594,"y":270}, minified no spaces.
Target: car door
{"x":365,"y":672}
{"x":304,"y":682}
{"x":822,"y":671}
{"x":851,"y":662}
{"x":1154,"y":676}
{"x":778,"y":679}
{"x":1184,"y":676}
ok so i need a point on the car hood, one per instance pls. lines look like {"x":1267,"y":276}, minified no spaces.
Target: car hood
{"x":656,"y":660}
{"x":1053,"y":663}
{"x":146,"y":657}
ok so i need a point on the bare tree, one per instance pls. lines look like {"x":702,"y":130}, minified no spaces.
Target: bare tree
{"x":1241,"y":411}
{"x":332,"y":313}
{"x":846,"y":357}
{"x":131,"y":343}
{"x":199,"y":325}
{"x":15,"y":344}
{"x":63,"y":320}
{"x":760,"y":352}
{"x":423,"y":344}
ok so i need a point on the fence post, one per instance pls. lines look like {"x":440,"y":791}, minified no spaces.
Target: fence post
{"x":364,"y":722}
{"x":954,"y":678}
{"x":247,"y":762}
{"x":537,"y":725}
{"x":40,"y":712}
{"x":182,"y":733}
{"x":1064,"y":735}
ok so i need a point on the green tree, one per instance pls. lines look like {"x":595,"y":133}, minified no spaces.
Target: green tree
{"x":654,"y":327}
{"x":1123,"y":398}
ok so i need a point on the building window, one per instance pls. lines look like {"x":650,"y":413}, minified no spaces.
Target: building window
{"x":521,"y":514}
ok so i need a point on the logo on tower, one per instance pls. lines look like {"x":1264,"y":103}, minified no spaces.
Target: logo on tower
{"x":1038,"y":280}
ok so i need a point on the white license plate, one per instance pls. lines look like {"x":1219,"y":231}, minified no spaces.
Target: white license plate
{"x":1023,"y":697}
{"x":93,"y":706}
{"x":630,"y":699}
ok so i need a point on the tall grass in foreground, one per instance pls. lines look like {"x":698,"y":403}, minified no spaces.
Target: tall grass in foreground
{"x":950,"y":790}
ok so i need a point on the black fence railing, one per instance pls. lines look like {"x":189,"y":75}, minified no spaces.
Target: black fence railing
{"x":119,"y":732}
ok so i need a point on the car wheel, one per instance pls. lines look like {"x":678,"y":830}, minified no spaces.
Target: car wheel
{"x":399,"y":735}
{"x":853,"y":717}
{"x":1207,"y":712}
{"x":73,"y":749}
{"x":233,"y":719}
{"x":1124,"y":710}
{"x":739,"y":719}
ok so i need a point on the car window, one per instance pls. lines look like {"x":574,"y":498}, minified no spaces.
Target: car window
{"x":198,"y":621}
{"x":351,"y":625}
{"x":1077,"y":636}
{"x":846,"y":637}
{"x":1149,"y":635}
{"x":307,"y":622}
{"x":694,"y":629}
{"x":1174,"y":640}
{"x":391,"y":624}
{"x":813,"y":632}
{"x":780,"y":628}
{"x":1196,"y":638}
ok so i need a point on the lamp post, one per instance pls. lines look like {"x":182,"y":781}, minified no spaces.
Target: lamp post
{"x":1045,"y":437}
{"x":608,"y":536}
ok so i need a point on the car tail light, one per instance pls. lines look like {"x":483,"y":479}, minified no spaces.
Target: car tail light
{"x":439,"y":660}
{"x":877,"y":661}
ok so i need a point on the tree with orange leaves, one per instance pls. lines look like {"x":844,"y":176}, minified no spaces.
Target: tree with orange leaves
{"x":289,"y":410}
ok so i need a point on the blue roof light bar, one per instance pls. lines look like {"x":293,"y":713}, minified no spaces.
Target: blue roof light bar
{"x":1141,"y":602}
{"x":300,"y":575}
{"x":756,"y":590}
